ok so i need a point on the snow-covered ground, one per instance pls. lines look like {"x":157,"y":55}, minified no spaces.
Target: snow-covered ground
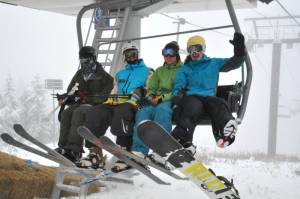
{"x":254,"y":180}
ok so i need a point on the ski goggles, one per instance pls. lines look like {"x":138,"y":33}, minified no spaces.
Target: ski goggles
{"x":169,"y":52}
{"x":194,"y":49}
{"x":131,"y":53}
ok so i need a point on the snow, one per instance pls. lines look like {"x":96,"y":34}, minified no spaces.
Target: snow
{"x":253,"y":178}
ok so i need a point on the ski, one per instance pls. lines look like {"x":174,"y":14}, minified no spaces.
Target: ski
{"x":23,"y":133}
{"x":103,"y":175}
{"x":108,"y":145}
{"x":153,"y":135}
{"x":11,"y":141}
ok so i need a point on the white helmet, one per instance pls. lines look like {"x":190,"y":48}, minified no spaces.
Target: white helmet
{"x":129,"y":45}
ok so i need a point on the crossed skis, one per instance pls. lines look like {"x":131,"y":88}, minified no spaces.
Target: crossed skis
{"x":103,"y":142}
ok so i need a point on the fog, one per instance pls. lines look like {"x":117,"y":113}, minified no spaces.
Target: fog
{"x":38,"y":43}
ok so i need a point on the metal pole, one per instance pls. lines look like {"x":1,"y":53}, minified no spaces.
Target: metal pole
{"x":274,"y":95}
{"x":242,"y":109}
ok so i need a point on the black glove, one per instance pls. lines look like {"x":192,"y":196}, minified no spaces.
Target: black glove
{"x":176,"y":109}
{"x":238,"y":43}
{"x":176,"y":114}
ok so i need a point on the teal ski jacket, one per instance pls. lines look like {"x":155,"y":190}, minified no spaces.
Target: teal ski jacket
{"x":131,"y":77}
{"x":201,"y":77}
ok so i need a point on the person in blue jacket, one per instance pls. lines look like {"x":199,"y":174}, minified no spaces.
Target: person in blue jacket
{"x":195,"y":93}
{"x":118,"y":111}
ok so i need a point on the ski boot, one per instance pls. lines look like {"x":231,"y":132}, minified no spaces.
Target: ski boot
{"x":141,"y":155}
{"x":157,"y":159}
{"x":190,"y":148}
{"x":95,"y":159}
{"x":120,"y":166}
{"x":229,"y":132}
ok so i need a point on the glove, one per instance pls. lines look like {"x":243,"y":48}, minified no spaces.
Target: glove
{"x":176,"y":105}
{"x":238,"y":43}
{"x":135,"y":98}
{"x":154,"y":99}
{"x":176,"y":108}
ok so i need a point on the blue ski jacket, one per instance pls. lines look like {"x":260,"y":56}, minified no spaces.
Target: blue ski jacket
{"x":131,"y":77}
{"x":199,"y":77}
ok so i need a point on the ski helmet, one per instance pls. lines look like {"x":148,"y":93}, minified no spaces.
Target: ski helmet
{"x":174,"y":49}
{"x":171,"y":49}
{"x":196,"y":40}
{"x":129,"y":45}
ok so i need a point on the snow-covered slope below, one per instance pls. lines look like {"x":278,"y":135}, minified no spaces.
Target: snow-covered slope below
{"x":254,"y":179}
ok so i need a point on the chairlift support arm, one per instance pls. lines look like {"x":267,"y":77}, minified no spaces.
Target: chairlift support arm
{"x":246,"y":88}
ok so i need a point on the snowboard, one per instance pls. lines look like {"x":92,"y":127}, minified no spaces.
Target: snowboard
{"x":158,"y":139}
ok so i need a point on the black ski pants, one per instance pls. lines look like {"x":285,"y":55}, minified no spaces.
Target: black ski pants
{"x":120,"y":118}
{"x":193,"y":109}
{"x":72,"y":118}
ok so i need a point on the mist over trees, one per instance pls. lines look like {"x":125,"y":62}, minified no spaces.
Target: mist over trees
{"x":28,"y":108}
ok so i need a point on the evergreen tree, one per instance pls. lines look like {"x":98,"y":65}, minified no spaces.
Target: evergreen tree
{"x":8,"y":107}
{"x":34,"y":112}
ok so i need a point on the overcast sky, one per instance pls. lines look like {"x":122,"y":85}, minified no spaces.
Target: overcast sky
{"x":41,"y":43}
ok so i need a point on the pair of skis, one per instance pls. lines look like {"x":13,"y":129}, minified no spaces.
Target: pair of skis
{"x":102,"y":142}
{"x":56,"y":157}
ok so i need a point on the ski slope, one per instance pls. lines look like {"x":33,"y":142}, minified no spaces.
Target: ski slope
{"x":254,"y":179}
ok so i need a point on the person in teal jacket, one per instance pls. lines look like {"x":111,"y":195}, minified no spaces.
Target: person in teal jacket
{"x":195,"y":93}
{"x":159,"y":95}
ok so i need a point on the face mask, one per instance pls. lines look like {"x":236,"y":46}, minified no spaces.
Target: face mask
{"x":88,"y":66}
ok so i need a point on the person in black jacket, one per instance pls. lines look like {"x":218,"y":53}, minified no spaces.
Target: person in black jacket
{"x":92,"y":85}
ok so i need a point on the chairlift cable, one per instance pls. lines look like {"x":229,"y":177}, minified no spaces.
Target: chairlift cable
{"x":287,"y":12}
{"x":194,"y":24}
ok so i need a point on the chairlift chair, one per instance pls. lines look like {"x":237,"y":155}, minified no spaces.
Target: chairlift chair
{"x":236,"y":95}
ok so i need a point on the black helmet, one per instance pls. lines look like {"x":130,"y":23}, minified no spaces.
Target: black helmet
{"x":87,"y":51}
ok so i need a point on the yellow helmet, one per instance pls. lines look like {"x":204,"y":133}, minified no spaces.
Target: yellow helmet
{"x":196,"y":40}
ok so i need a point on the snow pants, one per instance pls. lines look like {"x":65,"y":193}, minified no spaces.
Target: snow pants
{"x":120,"y":118}
{"x":72,"y":118}
{"x":193,"y":109}
{"x":161,"y":114}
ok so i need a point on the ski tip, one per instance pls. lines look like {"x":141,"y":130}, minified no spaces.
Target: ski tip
{"x":17,"y":127}
{"x":6,"y":137}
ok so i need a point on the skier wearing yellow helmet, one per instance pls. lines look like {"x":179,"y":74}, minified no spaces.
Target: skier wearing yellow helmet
{"x":195,"y":93}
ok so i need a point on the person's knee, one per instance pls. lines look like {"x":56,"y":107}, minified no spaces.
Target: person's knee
{"x":192,"y":106}
{"x":121,"y":127}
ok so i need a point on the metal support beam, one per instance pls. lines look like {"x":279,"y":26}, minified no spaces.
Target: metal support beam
{"x":242,"y":109}
{"x":274,"y":95}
